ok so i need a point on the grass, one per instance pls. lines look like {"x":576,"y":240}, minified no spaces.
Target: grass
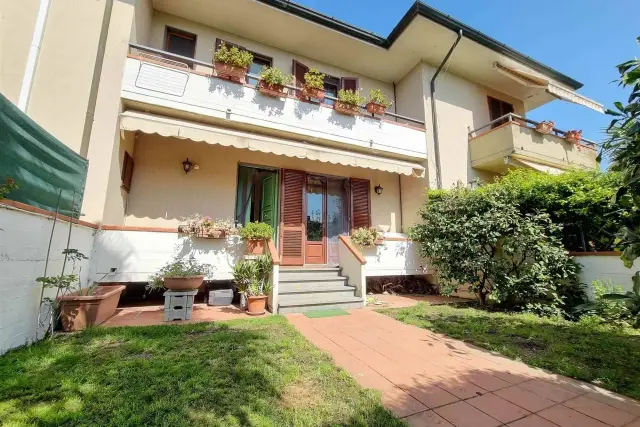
{"x":600,"y":355}
{"x":258,"y":372}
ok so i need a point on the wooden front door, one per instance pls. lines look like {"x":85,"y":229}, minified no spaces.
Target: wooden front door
{"x":316,"y":212}
{"x":292,"y":220}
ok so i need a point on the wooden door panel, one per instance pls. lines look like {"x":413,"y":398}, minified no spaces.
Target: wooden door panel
{"x":315,"y":253}
{"x":292,"y":229}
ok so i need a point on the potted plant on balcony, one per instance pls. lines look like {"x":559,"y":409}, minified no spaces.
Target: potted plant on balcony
{"x":256,"y":234}
{"x":349,"y":102}
{"x":272,"y":82}
{"x":378,"y":102}
{"x":365,"y":236}
{"x":179,"y":275}
{"x":545,"y":127}
{"x":313,"y":85}
{"x":232,"y":63}
{"x":573,"y":136}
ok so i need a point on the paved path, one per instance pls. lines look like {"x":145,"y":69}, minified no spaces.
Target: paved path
{"x":432,"y":380}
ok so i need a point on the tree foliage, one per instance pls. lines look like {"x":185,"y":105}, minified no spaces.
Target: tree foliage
{"x":508,"y":258}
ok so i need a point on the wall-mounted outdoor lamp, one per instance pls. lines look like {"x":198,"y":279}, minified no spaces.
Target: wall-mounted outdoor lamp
{"x":187,"y":166}
{"x":378,"y":189}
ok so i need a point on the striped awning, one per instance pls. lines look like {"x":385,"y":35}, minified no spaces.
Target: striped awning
{"x":176,"y":128}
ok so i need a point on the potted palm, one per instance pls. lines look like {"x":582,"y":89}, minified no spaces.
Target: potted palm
{"x":260,"y":287}
{"x":545,"y":127}
{"x":313,"y":85}
{"x":349,"y":102}
{"x":232,"y":63}
{"x":256,"y":233}
{"x":243,"y":274}
{"x":378,"y":102}
{"x":272,"y":82}
{"x":179,"y":275}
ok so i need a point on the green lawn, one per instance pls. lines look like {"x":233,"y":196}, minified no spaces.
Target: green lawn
{"x":258,"y":372}
{"x":604,"y":356}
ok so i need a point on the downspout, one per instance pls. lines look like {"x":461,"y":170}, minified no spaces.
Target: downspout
{"x":34,"y":54}
{"x":95,"y":80}
{"x":434,"y":114}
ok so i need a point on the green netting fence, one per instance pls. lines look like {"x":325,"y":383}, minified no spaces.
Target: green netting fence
{"x":42,"y":166}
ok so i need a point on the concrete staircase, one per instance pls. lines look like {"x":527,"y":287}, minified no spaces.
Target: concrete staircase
{"x":303,"y":289}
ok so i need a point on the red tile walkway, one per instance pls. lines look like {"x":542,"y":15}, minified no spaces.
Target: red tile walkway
{"x":432,"y":380}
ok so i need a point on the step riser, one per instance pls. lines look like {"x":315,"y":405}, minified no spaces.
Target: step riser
{"x":304,"y":309}
{"x":307,"y":275}
{"x":312,"y":284}
{"x":316,"y":298}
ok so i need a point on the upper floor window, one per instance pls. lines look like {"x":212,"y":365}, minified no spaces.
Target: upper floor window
{"x":259,"y":62}
{"x":497,"y":109}
{"x":180,"y":42}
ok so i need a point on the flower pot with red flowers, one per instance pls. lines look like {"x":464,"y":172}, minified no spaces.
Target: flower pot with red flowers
{"x":256,"y":234}
{"x":272,"y":82}
{"x":349,"y":102}
{"x":545,"y":127}
{"x":573,"y":136}
{"x":232,"y":63}
{"x":313,"y":87}
{"x":378,"y":102}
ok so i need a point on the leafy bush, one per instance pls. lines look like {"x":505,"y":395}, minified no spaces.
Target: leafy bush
{"x":275,"y":76}
{"x":364,"y":236}
{"x":233,"y":56}
{"x":377,"y":97}
{"x":256,"y":231}
{"x":508,"y":259}
{"x":605,"y":310}
{"x":351,"y":97}
{"x":9,"y":186}
{"x":252,"y":277}
{"x":178,"y":268}
{"x":314,"y":79}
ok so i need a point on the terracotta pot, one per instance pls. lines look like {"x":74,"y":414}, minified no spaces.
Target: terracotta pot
{"x":78,"y":310}
{"x":217,"y":234}
{"x":255,"y":247}
{"x":256,"y":305}
{"x":183,"y":283}
{"x":349,"y":109}
{"x":374,"y":108}
{"x":312,"y":92}
{"x":275,"y":91}
{"x":229,"y":72}
{"x":545,"y":127}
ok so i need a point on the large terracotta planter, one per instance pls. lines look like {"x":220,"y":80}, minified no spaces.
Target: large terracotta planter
{"x":274,"y":91}
{"x":78,"y":310}
{"x":374,"y":108}
{"x":312,"y":92}
{"x":256,"y":305}
{"x":229,"y":72}
{"x":183,"y":283}
{"x":349,"y":109}
{"x":255,"y":247}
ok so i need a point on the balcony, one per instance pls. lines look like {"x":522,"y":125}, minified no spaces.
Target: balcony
{"x":514,"y":142}
{"x":164,"y":83}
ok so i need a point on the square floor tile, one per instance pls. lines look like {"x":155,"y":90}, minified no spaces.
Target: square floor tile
{"x":548,"y":390}
{"x":524,"y":398}
{"x":600,"y":411}
{"x":427,"y":419}
{"x":567,"y":417}
{"x":461,"y":414}
{"x":532,"y":421}
{"x":498,"y":407}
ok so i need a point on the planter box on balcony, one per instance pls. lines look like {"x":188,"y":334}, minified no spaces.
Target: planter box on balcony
{"x":274,"y":91}
{"x":229,"y":72}
{"x":78,"y":310}
{"x":374,"y":108}
{"x":313,"y":93}
{"x":348,"y":109}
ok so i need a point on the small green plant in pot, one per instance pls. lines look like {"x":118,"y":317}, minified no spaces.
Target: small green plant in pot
{"x":313,"y":85}
{"x":349,"y":102}
{"x":179,"y":275}
{"x":256,"y":233}
{"x":252,"y":281}
{"x":365,"y":236}
{"x":378,"y":102}
{"x":272,"y":82}
{"x":232,"y":63}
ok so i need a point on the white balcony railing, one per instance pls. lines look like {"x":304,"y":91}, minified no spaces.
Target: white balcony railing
{"x":169,"y":84}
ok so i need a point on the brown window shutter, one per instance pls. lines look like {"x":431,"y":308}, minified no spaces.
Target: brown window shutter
{"x":292,"y":230}
{"x":127,"y":171}
{"x":349,"y":83}
{"x":360,"y":203}
{"x":299,"y":70}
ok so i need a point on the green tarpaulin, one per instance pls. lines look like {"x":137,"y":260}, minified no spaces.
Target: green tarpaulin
{"x":41,"y":165}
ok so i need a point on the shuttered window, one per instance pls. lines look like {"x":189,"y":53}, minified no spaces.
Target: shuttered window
{"x":360,"y":203}
{"x":127,"y":171}
{"x":349,"y":83}
{"x":299,"y":70}
{"x":292,"y":218}
{"x":498,"y":109}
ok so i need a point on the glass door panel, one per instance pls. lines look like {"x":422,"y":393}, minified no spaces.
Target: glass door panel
{"x":315,"y":198}
{"x":336,"y":216}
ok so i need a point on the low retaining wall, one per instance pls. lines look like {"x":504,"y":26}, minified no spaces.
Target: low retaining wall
{"x":396,"y":256}
{"x":24,"y":239}
{"x":604,"y":266}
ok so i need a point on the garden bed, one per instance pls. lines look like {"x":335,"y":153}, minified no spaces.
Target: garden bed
{"x":597,"y":354}
{"x":249,"y":372}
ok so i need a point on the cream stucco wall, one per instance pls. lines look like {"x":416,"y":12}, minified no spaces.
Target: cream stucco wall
{"x":206,"y":40}
{"x":161,"y":192}
{"x":141,"y":28}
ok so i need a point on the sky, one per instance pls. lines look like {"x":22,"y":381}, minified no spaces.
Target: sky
{"x":584,"y":39}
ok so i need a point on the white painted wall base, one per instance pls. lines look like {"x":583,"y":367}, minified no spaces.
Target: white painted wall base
{"x":24,"y":238}
{"x":394,"y":258}
{"x":605,"y":268}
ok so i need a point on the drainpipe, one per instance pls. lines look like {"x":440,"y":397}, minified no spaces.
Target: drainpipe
{"x":434,"y":114}
{"x":34,"y":54}
{"x":95,"y":80}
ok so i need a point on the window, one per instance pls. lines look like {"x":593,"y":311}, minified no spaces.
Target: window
{"x":498,"y":109}
{"x":180,"y":42}
{"x":127,"y":171}
{"x":349,"y":83}
{"x":331,"y":86}
{"x":259,"y":63}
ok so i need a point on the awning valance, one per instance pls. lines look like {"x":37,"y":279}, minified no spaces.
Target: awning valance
{"x":533,"y":81}
{"x":523,"y":163}
{"x":169,"y":127}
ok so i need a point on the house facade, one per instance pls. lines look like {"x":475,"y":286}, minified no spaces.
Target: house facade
{"x":132,"y":88}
